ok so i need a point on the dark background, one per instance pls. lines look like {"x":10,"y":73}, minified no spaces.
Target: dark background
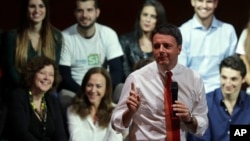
{"x":120,"y":14}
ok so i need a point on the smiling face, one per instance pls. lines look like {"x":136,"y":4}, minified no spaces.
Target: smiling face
{"x":96,"y":88}
{"x":204,"y":9}
{"x":148,"y":19}
{"x":86,"y":13}
{"x":36,"y":11}
{"x":44,"y":79}
{"x":166,"y":50}
{"x":231,"y":81}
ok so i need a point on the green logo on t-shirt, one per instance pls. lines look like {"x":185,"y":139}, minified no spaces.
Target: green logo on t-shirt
{"x":93,"y":59}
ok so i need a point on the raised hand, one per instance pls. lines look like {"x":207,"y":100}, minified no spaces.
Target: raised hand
{"x":133,"y":101}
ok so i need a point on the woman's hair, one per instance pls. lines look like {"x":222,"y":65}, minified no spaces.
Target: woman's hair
{"x":47,"y":38}
{"x":81,"y":104}
{"x":160,"y":18}
{"x":247,"y":41}
{"x":34,"y":66}
{"x":142,"y":62}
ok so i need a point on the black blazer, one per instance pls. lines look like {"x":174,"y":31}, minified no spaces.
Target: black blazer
{"x":21,"y":115}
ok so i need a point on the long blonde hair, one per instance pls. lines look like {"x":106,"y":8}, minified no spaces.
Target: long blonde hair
{"x":47,"y":40}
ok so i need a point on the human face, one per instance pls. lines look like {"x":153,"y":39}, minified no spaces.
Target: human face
{"x":95,"y":88}
{"x":166,"y":50}
{"x":36,"y":11}
{"x":204,"y":9}
{"x":44,"y":79}
{"x":231,"y":81}
{"x":86,"y":13}
{"x":148,"y":19}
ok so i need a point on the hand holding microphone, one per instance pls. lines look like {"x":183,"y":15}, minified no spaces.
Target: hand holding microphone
{"x":174,"y":94}
{"x":179,"y":108}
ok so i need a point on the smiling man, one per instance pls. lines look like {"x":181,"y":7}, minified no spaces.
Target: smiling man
{"x":145,"y":103}
{"x":227,"y":105}
{"x":88,"y":44}
{"x":202,"y":35}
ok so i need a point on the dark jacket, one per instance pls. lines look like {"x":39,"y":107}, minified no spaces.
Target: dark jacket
{"x":132,"y":52}
{"x":23,"y":124}
{"x":11,"y":74}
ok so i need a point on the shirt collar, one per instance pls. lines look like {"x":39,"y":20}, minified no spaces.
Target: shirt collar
{"x":240,"y":100}
{"x":197,"y":24}
{"x":174,"y":71}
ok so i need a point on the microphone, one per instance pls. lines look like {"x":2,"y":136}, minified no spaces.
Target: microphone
{"x":174,"y":93}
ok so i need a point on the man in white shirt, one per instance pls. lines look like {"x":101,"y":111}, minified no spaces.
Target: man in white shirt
{"x":141,"y":105}
{"x":206,"y":42}
{"x":89,"y":44}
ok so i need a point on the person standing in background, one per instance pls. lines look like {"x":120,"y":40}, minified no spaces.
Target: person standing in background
{"x":137,"y":44}
{"x":35,"y":36}
{"x":243,"y":49}
{"x":206,"y":42}
{"x":89,"y":44}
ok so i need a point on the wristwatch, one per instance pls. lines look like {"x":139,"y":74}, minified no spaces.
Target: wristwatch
{"x":191,"y":120}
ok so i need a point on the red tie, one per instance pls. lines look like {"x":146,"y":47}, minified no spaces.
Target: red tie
{"x":172,"y":122}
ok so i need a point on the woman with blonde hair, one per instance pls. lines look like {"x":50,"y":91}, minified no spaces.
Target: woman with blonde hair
{"x":34,"y":37}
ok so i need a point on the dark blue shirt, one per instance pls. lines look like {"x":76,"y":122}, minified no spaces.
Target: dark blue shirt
{"x":219,"y":118}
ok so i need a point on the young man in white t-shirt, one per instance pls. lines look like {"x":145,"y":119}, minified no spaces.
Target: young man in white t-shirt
{"x":88,"y":44}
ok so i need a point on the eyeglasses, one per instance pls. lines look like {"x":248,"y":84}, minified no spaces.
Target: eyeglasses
{"x":158,"y":45}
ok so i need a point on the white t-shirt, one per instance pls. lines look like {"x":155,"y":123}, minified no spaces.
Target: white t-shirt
{"x":240,"y":46}
{"x":81,"y":54}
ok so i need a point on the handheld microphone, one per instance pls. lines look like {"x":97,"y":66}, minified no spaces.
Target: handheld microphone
{"x":174,"y":93}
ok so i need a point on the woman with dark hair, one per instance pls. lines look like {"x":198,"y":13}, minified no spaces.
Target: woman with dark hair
{"x":137,"y":44}
{"x":35,"y":36}
{"x":90,"y":113}
{"x":34,"y":112}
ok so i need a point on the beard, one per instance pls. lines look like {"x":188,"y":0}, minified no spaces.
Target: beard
{"x":86,"y":27}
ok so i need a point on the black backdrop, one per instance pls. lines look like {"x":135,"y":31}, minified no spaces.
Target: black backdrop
{"x":120,"y":14}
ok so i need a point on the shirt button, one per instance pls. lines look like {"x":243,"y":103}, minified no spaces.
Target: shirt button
{"x":228,"y":132}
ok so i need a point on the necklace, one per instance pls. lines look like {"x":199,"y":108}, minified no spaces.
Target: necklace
{"x":41,"y":115}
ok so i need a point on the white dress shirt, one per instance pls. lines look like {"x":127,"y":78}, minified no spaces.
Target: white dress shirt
{"x":148,"y":123}
{"x":85,"y":130}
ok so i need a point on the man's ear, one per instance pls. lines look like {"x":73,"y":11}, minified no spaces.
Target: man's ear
{"x":216,"y":3}
{"x":192,"y":2}
{"x":180,"y":47}
{"x":98,"y":11}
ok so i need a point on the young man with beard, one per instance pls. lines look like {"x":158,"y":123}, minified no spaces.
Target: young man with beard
{"x":89,"y":44}
{"x":202,"y":35}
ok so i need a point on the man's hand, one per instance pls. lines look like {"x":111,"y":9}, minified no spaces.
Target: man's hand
{"x":133,"y":101}
{"x":182,"y":111}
